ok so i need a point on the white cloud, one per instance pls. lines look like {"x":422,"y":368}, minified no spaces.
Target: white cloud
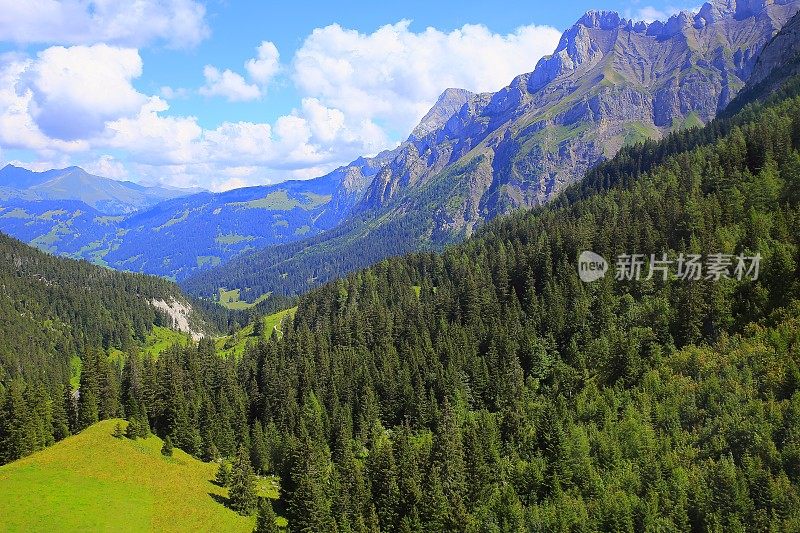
{"x":106,"y":166}
{"x":393,"y":75}
{"x":153,"y":138}
{"x":651,"y":14}
{"x":265,"y":65}
{"x":359,"y":93}
{"x":171,"y":93}
{"x":177,"y":23}
{"x":233,"y":86}
{"x":18,"y":129}
{"x":75,"y":91}
{"x":229,"y":85}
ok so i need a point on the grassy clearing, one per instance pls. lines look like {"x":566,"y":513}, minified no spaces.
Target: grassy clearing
{"x":231,"y":300}
{"x":234,"y":345}
{"x":161,"y":339}
{"x":94,"y":482}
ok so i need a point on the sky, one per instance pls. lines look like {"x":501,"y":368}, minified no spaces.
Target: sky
{"x":228,"y":93}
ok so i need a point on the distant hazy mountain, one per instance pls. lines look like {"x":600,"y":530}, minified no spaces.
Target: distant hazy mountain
{"x":106,"y":195}
{"x":177,"y":236}
{"x":610,"y":82}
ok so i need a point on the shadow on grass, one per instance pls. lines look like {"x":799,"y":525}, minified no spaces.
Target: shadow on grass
{"x":220,"y":499}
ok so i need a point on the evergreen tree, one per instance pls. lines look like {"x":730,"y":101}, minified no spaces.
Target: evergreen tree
{"x":265,"y":522}
{"x":17,"y":428}
{"x":133,"y":430}
{"x":223,"y":477}
{"x":241,"y":489}
{"x":61,"y":424}
{"x":166,"y":448}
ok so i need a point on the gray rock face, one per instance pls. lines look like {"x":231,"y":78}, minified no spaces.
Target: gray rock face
{"x":448,"y":104}
{"x":610,"y":82}
{"x":782,"y":54}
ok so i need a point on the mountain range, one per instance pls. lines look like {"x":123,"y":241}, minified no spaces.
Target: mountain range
{"x":489,"y":387}
{"x":108,"y":196}
{"x":611,"y":82}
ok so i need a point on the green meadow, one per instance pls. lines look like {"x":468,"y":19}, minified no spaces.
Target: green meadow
{"x":95,"y":482}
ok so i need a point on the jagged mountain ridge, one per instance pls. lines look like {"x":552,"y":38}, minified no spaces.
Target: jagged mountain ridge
{"x":610,"y":82}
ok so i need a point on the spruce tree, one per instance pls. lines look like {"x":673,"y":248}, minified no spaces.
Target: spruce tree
{"x":17,"y":431}
{"x":60,"y":416}
{"x":242,"y":490}
{"x":223,"y":477}
{"x":166,"y":449}
{"x":132,"y":431}
{"x":118,"y":433}
{"x":265,"y":523}
{"x":88,"y":410}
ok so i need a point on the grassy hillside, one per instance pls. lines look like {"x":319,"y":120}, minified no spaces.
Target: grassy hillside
{"x":161,"y":338}
{"x":235,"y":344}
{"x":95,"y":482}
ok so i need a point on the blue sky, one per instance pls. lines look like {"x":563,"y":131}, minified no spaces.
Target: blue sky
{"x":228,"y":93}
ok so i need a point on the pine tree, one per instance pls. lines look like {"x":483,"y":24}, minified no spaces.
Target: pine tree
{"x":60,"y":417}
{"x":166,"y":449}
{"x":17,"y":429}
{"x":88,"y":392}
{"x":223,"y":477}
{"x":118,"y":433}
{"x":132,"y":431}
{"x":242,"y":490}
{"x":258,"y":327}
{"x":265,"y":523}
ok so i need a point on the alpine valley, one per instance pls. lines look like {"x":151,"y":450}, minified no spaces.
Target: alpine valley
{"x":611,"y":82}
{"x":406,"y":344}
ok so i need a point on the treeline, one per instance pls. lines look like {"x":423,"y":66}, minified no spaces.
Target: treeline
{"x":56,"y":316}
{"x":489,"y":389}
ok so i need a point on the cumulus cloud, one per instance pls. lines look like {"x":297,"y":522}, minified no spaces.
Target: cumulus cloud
{"x":176,"y":23}
{"x":229,"y":85}
{"x":18,"y":129}
{"x":233,"y":86}
{"x":360,"y":93}
{"x":106,"y":166}
{"x":651,"y":14}
{"x":393,"y":75}
{"x":74,"y":91}
{"x":265,"y":65}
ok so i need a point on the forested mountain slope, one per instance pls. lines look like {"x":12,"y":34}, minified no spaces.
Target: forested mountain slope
{"x":489,"y":389}
{"x":611,"y":82}
{"x":517,"y":397}
{"x":61,"y":317}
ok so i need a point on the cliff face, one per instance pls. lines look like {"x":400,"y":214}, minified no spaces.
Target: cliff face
{"x":779,"y":59}
{"x":610,"y":81}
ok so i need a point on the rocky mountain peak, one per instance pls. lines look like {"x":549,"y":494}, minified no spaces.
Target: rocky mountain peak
{"x":447,"y":105}
{"x":715,"y":10}
{"x":601,"y":20}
